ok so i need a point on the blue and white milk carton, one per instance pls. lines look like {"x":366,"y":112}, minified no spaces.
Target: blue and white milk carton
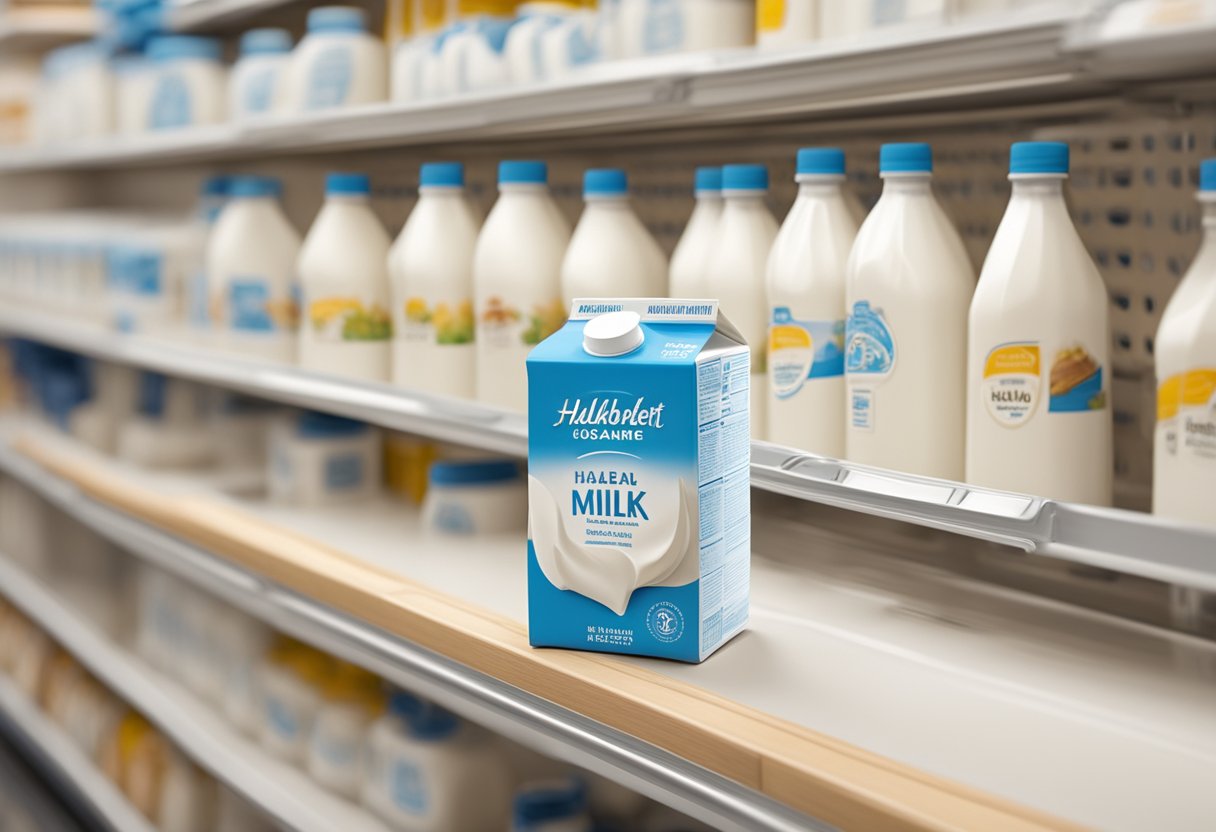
{"x":639,"y":518}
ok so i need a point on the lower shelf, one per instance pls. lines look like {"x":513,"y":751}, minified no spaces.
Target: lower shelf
{"x":56,"y":754}
{"x":281,"y":790}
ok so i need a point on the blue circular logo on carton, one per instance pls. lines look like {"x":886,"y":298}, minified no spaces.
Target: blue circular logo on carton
{"x":665,"y":622}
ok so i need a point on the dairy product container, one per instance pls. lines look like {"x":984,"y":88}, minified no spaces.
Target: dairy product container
{"x":552,"y":806}
{"x":319,"y":459}
{"x":169,"y":430}
{"x":1038,"y":376}
{"x":517,"y":281}
{"x":253,"y":88}
{"x":689,"y":268}
{"x":785,"y":23}
{"x":475,"y":497}
{"x":471,"y":50}
{"x":189,"y":84}
{"x":407,"y":461}
{"x":610,"y":250}
{"x":909,"y":288}
{"x":431,"y":268}
{"x":638,"y":452}
{"x":806,"y":277}
{"x":415,"y":62}
{"x":77,"y":98}
{"x":343,"y":270}
{"x":251,"y":262}
{"x":336,"y":64}
{"x":291,"y":679}
{"x":134,"y":79}
{"x":337,"y":746}
{"x":735,"y":272}
{"x":550,"y":39}
{"x":213,"y":195}
{"x":148,"y":274}
{"x":1184,"y":443}
{"x":663,"y":27}
{"x":424,"y":764}
{"x":242,"y":642}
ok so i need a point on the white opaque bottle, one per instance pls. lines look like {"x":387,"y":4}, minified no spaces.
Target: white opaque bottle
{"x":257,"y":77}
{"x":1184,"y":452}
{"x":646,"y":27}
{"x":212,"y":197}
{"x":343,"y":268}
{"x":429,"y":771}
{"x":909,"y":290}
{"x":552,"y":806}
{"x":190,"y":84}
{"x":785,"y":23}
{"x":690,"y":260}
{"x":431,"y":266}
{"x":1038,"y":364}
{"x":611,"y":254}
{"x":251,"y":267}
{"x":471,"y":50}
{"x":736,"y":274}
{"x":806,"y":280}
{"x":336,"y":64}
{"x":517,"y":296}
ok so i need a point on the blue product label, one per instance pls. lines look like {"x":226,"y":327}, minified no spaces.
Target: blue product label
{"x":802,"y":350}
{"x":344,"y":472}
{"x":455,"y":518}
{"x":869,"y":344}
{"x":249,"y":305}
{"x":259,"y":91}
{"x":170,"y":103}
{"x":329,"y":80}
{"x":664,"y":27}
{"x":889,"y":11}
{"x":1076,"y":382}
{"x":281,"y":719}
{"x":407,"y":788}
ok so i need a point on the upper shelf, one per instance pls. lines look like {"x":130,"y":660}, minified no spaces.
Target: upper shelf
{"x":1123,"y":541}
{"x":206,"y":15}
{"x":986,"y":62}
{"x":34,"y":29}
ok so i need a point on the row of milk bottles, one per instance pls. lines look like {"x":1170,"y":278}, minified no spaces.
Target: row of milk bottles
{"x":875,"y":344}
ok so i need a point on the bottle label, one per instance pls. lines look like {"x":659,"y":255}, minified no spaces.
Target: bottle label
{"x":802,"y":350}
{"x":170,"y":102}
{"x":1076,"y":382}
{"x":343,"y":472}
{"x":407,"y":788}
{"x":664,"y":27}
{"x":337,"y":318}
{"x":1196,"y":414}
{"x":429,"y":321}
{"x":869,"y":359}
{"x":770,"y":15}
{"x":329,"y":80}
{"x":505,"y":326}
{"x":259,"y":91}
{"x":1012,"y":382}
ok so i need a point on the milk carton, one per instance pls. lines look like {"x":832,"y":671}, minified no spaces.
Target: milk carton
{"x":639,"y":532}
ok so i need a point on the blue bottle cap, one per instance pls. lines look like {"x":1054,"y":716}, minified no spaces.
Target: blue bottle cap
{"x":605,"y":182}
{"x":326,"y":19}
{"x":313,"y":425}
{"x":347,"y":184}
{"x":515,"y":172}
{"x":1038,"y":158}
{"x":473,"y":472}
{"x":744,"y":178}
{"x":1207,"y":176}
{"x":254,"y":186}
{"x":216,"y":186}
{"x":820,"y":161}
{"x":707,"y":180}
{"x":441,"y":175}
{"x":265,"y":42}
{"x":549,"y":801}
{"x":909,"y":157}
{"x":183,"y":47}
{"x":403,"y":704}
{"x":432,"y":723}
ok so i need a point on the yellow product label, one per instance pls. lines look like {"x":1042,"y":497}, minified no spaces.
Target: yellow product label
{"x":784,"y":337}
{"x":1013,"y":358}
{"x":1198,"y":387}
{"x":1169,"y":393}
{"x":497,"y":8}
{"x":398,"y":20}
{"x":430,"y":15}
{"x":770,"y":15}
{"x":349,"y":319}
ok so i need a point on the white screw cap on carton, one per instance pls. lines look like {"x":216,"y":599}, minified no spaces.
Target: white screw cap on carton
{"x":613,"y":334}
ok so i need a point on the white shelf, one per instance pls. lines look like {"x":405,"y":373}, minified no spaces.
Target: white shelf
{"x":205,"y":15}
{"x":282,"y":791}
{"x":1123,"y":541}
{"x":56,"y":752}
{"x":1001,"y":60}
{"x":1099,"y":721}
{"x":33,"y":29}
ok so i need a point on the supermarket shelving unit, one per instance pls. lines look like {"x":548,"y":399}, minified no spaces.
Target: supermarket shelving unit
{"x":33,"y":29}
{"x":1038,"y":59}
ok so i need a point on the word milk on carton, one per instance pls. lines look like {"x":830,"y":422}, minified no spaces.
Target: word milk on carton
{"x":639,"y":519}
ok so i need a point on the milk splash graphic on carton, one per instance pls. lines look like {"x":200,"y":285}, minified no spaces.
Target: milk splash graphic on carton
{"x":639,"y":529}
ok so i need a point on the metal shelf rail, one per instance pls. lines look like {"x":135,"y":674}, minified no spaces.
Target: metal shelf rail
{"x":1123,"y":541}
